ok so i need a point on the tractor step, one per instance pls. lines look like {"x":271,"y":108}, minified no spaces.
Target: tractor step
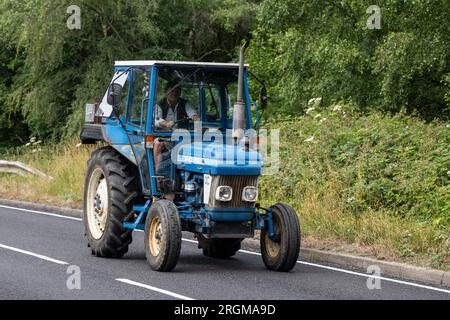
{"x":139,"y":223}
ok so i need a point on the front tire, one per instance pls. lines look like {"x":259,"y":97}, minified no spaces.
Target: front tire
{"x":163,"y":236}
{"x":281,"y":254}
{"x":109,"y":190}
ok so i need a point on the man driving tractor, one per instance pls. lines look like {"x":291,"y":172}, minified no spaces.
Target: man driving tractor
{"x":171,"y":111}
{"x":173,"y":108}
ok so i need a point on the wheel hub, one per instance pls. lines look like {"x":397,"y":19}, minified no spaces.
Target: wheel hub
{"x":274,"y":246}
{"x":97,"y":206}
{"x":155,"y":236}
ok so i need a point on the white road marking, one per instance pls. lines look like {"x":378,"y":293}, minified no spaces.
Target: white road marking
{"x":43,"y":213}
{"x":191,"y":241}
{"x":259,"y":254}
{"x":145,"y":286}
{"x":374,"y":277}
{"x":359,"y":274}
{"x":36,"y":255}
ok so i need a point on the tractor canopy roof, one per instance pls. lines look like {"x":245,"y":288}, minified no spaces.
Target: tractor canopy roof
{"x":150,"y":63}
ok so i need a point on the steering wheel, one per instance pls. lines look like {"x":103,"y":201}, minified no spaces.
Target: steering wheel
{"x":187,"y":119}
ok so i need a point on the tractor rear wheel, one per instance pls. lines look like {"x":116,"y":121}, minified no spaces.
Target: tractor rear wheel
{"x":163,"y":236}
{"x":281,"y":253}
{"x":219,"y":248}
{"x":109,"y":190}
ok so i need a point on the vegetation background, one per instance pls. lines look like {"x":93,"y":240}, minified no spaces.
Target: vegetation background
{"x":364,"y":112}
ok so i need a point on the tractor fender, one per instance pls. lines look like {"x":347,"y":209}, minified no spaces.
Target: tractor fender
{"x":114,"y":136}
{"x":92,"y":133}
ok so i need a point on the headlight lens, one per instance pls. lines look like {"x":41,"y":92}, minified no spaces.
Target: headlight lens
{"x":224,"y":193}
{"x":250,"y":194}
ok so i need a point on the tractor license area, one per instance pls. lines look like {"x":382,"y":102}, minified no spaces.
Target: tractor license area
{"x":226,"y":310}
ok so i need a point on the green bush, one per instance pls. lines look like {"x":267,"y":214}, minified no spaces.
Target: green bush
{"x":398,"y":163}
{"x":376,"y":181}
{"x":306,"y":49}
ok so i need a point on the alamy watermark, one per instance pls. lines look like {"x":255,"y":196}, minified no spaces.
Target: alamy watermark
{"x":74,"y":21}
{"x":214,"y":147}
{"x":74,"y":280}
{"x":374,"y":20}
{"x":374,"y":280}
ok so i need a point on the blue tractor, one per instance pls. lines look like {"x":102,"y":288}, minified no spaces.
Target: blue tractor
{"x":177,"y":156}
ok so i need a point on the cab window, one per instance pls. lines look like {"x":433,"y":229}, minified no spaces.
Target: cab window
{"x":138,"y":97}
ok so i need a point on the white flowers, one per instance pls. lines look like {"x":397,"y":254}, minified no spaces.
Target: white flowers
{"x":310,"y":110}
{"x":337,"y":108}
{"x":314,"y":102}
{"x":33,"y":144}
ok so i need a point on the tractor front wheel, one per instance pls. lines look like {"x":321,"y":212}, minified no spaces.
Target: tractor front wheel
{"x":281,"y":252}
{"x":163,"y":236}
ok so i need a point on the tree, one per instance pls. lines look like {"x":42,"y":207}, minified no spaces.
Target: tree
{"x":310,"y":49}
{"x":63,"y":69}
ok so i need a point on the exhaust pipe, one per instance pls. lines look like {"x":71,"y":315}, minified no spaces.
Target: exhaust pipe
{"x":239,"y":106}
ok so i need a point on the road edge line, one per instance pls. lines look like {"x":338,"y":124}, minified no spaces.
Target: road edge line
{"x":33,"y":254}
{"x":152,"y":288}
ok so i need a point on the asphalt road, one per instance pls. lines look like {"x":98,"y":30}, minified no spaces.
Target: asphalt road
{"x":37,"y":250}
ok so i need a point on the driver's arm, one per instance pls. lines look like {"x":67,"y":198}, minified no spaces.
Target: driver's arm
{"x":160,"y":122}
{"x":191,"y":112}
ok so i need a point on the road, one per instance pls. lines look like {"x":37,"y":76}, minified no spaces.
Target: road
{"x":37,"y":250}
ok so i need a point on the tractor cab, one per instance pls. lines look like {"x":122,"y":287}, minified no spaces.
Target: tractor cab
{"x":164,"y":104}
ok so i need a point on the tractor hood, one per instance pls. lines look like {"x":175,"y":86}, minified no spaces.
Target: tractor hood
{"x":216,"y":159}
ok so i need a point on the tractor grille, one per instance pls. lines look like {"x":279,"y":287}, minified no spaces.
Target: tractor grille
{"x":238,"y":183}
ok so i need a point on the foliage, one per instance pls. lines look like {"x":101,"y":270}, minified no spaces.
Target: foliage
{"x":53,"y":71}
{"x":307,"y":49}
{"x":303,"y":49}
{"x":366,"y":179}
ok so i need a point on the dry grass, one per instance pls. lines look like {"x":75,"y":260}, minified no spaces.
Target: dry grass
{"x":66,"y":164}
{"x":328,"y":225}
{"x":367,"y":185}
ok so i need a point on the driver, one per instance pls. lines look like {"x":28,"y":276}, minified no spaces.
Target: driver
{"x":173,"y":108}
{"x":170,"y":111}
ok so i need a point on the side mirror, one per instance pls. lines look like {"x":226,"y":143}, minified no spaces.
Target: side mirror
{"x":114,"y":94}
{"x":263,"y":98}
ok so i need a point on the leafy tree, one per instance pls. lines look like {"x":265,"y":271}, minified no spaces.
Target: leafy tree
{"x":309,"y":49}
{"x":63,"y":69}
{"x":304,"y":49}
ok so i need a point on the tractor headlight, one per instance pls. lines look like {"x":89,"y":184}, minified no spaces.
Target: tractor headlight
{"x":224,"y":193}
{"x":250,"y":194}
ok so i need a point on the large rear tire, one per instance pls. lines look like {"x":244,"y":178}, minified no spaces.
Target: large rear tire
{"x":219,"y":248}
{"x":281,"y":254}
{"x":163,"y":236}
{"x":109,"y":191}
